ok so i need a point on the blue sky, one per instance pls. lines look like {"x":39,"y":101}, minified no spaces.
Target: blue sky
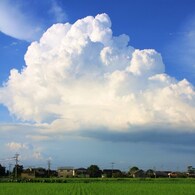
{"x":117,"y":86}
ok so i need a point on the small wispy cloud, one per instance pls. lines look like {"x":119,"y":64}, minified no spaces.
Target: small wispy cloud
{"x":15,"y":23}
{"x":19,"y":21}
{"x":17,"y":146}
{"x":26,"y":151}
{"x":38,"y":137}
{"x":181,"y":51}
{"x":57,"y":11}
{"x":37,"y":155}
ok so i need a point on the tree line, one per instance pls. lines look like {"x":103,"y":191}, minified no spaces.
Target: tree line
{"x":93,"y":171}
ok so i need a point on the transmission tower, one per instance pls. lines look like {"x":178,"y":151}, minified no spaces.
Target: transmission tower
{"x":49,"y":165}
{"x":10,"y":165}
{"x":16,"y":165}
{"x":112,"y":163}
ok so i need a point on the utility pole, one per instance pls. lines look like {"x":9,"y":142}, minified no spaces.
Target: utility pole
{"x":10,"y":165}
{"x":49,"y":165}
{"x":112,"y":163}
{"x":154,"y":169}
{"x":16,"y":165}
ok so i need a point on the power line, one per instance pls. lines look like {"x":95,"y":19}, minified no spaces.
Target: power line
{"x":7,"y":159}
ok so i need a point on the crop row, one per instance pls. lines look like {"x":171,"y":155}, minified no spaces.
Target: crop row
{"x":104,"y":187}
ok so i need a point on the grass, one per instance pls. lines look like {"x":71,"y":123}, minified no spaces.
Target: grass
{"x":103,"y":187}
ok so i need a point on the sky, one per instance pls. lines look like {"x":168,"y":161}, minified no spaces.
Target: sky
{"x":98,"y":82}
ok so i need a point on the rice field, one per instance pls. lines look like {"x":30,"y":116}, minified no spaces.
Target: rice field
{"x":103,"y":187}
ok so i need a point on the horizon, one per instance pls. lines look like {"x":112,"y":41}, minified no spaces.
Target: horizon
{"x":49,"y":165}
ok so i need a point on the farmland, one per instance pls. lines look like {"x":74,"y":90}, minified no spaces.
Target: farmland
{"x":102,"y":186}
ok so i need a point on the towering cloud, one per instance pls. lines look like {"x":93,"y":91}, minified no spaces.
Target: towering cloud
{"x":80,"y":77}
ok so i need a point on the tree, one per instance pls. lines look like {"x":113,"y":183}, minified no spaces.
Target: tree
{"x":2,"y":170}
{"x":150,"y":173}
{"x":17,"y":170}
{"x":191,"y":169}
{"x":94,"y":171}
{"x":132,"y":170}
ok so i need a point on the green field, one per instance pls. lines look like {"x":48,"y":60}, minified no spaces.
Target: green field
{"x":101,"y":187}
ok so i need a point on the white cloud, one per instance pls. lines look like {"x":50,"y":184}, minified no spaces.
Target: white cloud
{"x":181,"y":51}
{"x":146,"y":63}
{"x":17,"y":146}
{"x":79,"y":77}
{"x":57,"y":11}
{"x":27,"y":151}
{"x":38,"y":137}
{"x":21,"y":20}
{"x":37,"y":156}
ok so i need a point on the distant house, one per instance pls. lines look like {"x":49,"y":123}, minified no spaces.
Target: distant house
{"x":81,"y":172}
{"x":32,"y":173}
{"x":52,"y":173}
{"x":173,"y":174}
{"x":66,"y":172}
{"x":139,"y":174}
{"x":41,"y":172}
{"x":191,"y":171}
{"x":111,"y":173}
{"x":191,"y":175}
{"x":150,"y":173}
{"x":28,"y":174}
{"x":162,"y":173}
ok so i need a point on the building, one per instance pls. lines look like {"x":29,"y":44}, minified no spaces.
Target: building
{"x":111,"y":173}
{"x":66,"y":172}
{"x":162,"y":174}
{"x":81,"y":172}
{"x":32,"y":173}
{"x":191,"y":171}
{"x":139,"y":174}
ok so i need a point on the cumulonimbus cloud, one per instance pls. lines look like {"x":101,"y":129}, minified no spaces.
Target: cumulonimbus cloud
{"x":79,"y":76}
